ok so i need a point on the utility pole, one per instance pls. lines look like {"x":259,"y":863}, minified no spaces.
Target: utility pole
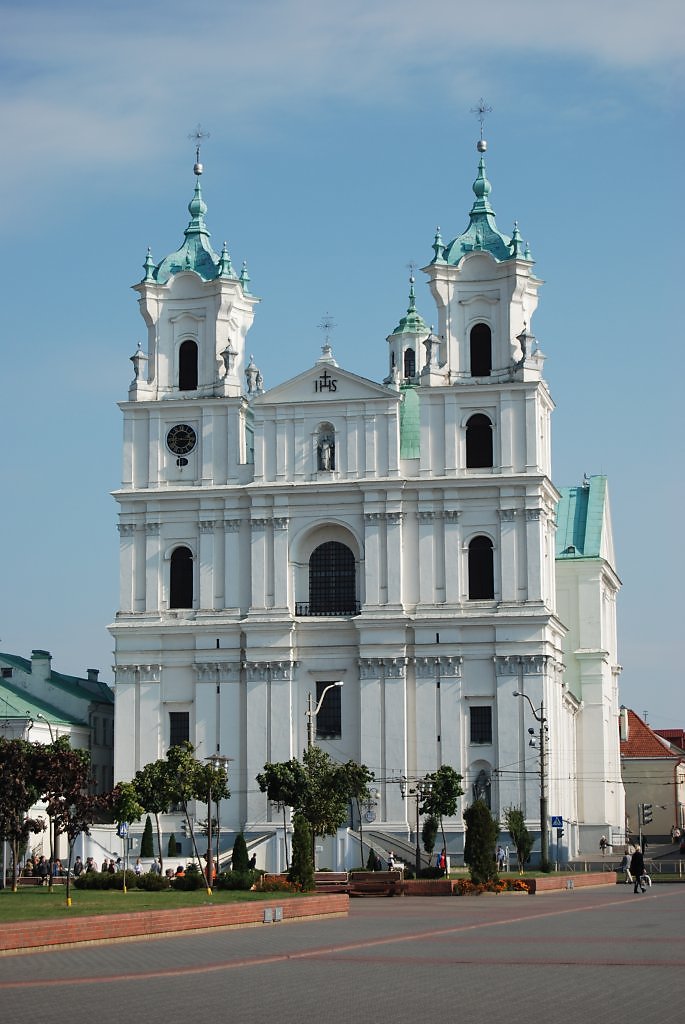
{"x":539,"y":716}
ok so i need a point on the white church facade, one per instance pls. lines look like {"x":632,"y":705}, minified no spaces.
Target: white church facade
{"x":397,"y":537}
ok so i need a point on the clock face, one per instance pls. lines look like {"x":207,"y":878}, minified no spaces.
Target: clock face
{"x":181,"y":439}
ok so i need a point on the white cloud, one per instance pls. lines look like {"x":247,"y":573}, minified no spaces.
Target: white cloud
{"x":92,"y":86}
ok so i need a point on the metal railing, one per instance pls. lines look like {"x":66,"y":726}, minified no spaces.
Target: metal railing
{"x":303,"y":609}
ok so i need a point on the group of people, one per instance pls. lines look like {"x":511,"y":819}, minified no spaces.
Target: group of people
{"x":41,"y":867}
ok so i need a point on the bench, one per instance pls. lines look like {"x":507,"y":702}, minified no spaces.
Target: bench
{"x":374,"y":883}
{"x":331,"y":881}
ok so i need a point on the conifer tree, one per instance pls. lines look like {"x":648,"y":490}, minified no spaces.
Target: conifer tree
{"x":146,"y":845}
{"x":301,"y":867}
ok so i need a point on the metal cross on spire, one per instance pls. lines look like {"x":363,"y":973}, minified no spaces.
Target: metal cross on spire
{"x":327,"y":325}
{"x":197,"y":136}
{"x":481,"y":111}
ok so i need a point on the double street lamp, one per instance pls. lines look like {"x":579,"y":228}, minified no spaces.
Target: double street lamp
{"x":418,"y":790}
{"x":539,"y":716}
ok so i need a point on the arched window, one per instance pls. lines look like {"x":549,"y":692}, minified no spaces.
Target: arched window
{"x":409,"y":362}
{"x":481,"y":570}
{"x":181,"y":578}
{"x":187,"y":366}
{"x":332,"y":589}
{"x":481,"y":350}
{"x":478,"y":441}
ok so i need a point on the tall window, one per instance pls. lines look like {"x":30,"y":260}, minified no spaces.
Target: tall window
{"x":329,"y":718}
{"x":481,"y":570}
{"x":481,"y":724}
{"x":409,"y":362}
{"x":187,"y":366}
{"x":179,"y":728}
{"x":481,"y":350}
{"x":478,"y":442}
{"x":332,"y":589}
{"x":181,"y":579}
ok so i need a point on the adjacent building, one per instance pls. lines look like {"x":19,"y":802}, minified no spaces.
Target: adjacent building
{"x":653,"y":770}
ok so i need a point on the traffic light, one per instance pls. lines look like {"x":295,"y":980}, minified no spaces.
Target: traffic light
{"x":647,"y":815}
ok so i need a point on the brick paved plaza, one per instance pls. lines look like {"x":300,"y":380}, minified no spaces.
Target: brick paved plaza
{"x":558,"y":957}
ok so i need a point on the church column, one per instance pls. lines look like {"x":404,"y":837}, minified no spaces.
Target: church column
{"x":219,"y":597}
{"x":206,"y":724}
{"x":394,"y":556}
{"x":256,"y":740}
{"x":232,"y":563}
{"x":207,"y":564}
{"x":426,"y":519}
{"x":512,"y":747}
{"x":534,"y":553}
{"x":126,"y":567}
{"x":452,"y":545}
{"x":450,"y":709}
{"x":139,"y":580}
{"x":394,"y":722}
{"x":281,"y":567}
{"x":372,"y":524}
{"x":370,"y":446}
{"x":150,"y":727}
{"x":258,"y":550}
{"x":153,"y":563}
{"x":508,"y":566}
{"x":233,"y":811}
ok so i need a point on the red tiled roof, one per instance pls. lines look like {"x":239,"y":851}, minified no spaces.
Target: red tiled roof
{"x":643,"y":741}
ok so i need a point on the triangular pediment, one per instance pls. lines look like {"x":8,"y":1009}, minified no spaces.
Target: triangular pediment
{"x":325,"y":383}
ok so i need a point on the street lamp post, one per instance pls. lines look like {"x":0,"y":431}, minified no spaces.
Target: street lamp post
{"x":539,"y":716}
{"x":217,"y":761}
{"x":311,"y":712}
{"x":419,"y":790}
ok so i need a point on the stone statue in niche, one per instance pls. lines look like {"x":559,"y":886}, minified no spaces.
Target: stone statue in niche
{"x":326,"y":454}
{"x":481,"y":787}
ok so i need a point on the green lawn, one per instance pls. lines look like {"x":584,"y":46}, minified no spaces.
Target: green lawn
{"x":30,"y":903}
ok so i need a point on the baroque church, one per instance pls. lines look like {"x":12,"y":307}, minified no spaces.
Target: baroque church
{"x":383,"y":568}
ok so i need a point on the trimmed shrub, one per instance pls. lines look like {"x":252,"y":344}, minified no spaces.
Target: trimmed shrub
{"x":301,"y":872}
{"x":146,"y":846}
{"x":240,"y":861}
{"x":151,"y":883}
{"x":481,"y":837}
{"x":236,"y":880}
{"x":274,"y":883}
{"x":431,"y":873}
{"x":193,"y":879}
{"x":172,"y":846}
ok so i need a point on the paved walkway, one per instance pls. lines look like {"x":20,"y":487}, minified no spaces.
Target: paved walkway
{"x":511,"y":960}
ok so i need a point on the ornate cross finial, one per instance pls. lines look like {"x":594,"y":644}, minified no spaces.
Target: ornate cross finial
{"x":197,"y":136}
{"x":411,"y":267}
{"x":327,"y":325}
{"x":481,"y":111}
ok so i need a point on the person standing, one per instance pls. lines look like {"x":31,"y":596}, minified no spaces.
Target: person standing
{"x":637,"y":868}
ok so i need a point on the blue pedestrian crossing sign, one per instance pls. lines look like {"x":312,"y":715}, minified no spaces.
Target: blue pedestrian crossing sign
{"x":557,"y":821}
{"x":122,"y":829}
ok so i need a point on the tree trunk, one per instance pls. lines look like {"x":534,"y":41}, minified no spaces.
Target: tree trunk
{"x":203,"y":870}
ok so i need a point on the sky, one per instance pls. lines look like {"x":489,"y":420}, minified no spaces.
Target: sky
{"x":340,"y":136}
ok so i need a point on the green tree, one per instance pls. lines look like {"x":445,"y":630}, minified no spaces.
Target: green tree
{"x":126,"y":808}
{"x":283,"y":781}
{"x":317,"y":788}
{"x":63,"y":776}
{"x":146,"y":845}
{"x":442,"y":801}
{"x":172,"y":846}
{"x":18,"y":793}
{"x":239,"y":858}
{"x":190,"y":779}
{"x":155,"y":792}
{"x":522,"y":839}
{"x":479,"y":848}
{"x":302,"y":868}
